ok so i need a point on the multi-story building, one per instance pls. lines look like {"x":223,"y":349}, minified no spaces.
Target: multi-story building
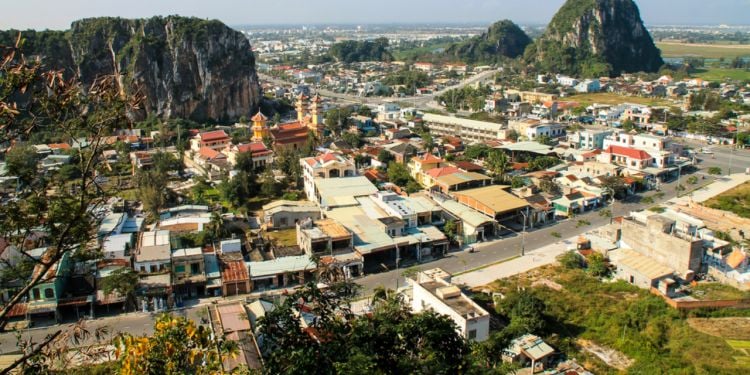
{"x":259,"y":153}
{"x":153,"y":252}
{"x":189,"y":272}
{"x":470,"y":131}
{"x":216,"y":140}
{"x":662,"y":150}
{"x":589,"y":139}
{"x":328,"y":165}
{"x":432,"y":290}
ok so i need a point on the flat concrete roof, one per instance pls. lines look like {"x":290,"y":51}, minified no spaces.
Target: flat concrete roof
{"x":332,"y":190}
{"x":642,"y":264}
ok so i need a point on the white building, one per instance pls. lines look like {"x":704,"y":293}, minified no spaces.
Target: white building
{"x":154,"y":252}
{"x":432,"y":290}
{"x":470,"y":131}
{"x":661,"y":149}
{"x":328,"y":165}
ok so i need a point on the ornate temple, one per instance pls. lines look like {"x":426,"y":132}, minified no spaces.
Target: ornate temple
{"x":292,"y":134}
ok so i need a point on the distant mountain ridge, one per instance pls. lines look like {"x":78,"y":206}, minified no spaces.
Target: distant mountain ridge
{"x":596,"y":37}
{"x":186,"y":67}
{"x":504,"y":39}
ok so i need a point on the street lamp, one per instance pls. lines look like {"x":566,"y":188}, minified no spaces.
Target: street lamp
{"x":523,"y":233}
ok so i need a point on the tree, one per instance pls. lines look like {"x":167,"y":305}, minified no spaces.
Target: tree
{"x":498,"y":164}
{"x":37,"y":101}
{"x":124,"y":282}
{"x":526,"y":312}
{"x":391,"y":339}
{"x":714,"y":170}
{"x":152,"y":191}
{"x":544,"y":139}
{"x":177,"y":346}
{"x":517,"y":182}
{"x":429,"y":142}
{"x":541,"y":163}
{"x":268,"y":187}
{"x":352,"y":139}
{"x":216,"y":226}
{"x":512,"y":135}
{"x":398,"y":174}
{"x":596,"y":265}
{"x":450,"y":229}
{"x":21,"y":161}
{"x":614,"y":185}
{"x":570,"y":260}
{"x":627,"y":125}
{"x":385,"y":157}
{"x":549,"y":186}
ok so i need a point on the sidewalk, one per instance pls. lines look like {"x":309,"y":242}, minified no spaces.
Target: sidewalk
{"x":540,"y":257}
{"x":722,"y":184}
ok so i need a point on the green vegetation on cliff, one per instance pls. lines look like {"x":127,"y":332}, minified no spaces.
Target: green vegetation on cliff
{"x":184,"y":67}
{"x":594,"y":38}
{"x":504,"y":39}
{"x":350,"y":51}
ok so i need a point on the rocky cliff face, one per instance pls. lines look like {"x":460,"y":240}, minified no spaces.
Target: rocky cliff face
{"x":587,"y":37}
{"x":504,"y":39}
{"x":185,"y":67}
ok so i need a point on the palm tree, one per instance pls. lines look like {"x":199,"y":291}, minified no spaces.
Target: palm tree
{"x":498,"y":164}
{"x":216,"y":226}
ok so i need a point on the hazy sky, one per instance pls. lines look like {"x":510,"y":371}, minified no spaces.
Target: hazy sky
{"x":41,"y":14}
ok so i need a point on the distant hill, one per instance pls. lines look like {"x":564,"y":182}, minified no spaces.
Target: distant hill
{"x":350,"y":51}
{"x":186,"y":67}
{"x":504,"y":39}
{"x":594,"y":38}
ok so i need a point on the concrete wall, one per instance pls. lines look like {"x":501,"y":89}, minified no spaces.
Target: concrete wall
{"x":422,"y":300}
{"x":625,"y":273}
{"x":679,"y":254}
{"x":274,"y":221}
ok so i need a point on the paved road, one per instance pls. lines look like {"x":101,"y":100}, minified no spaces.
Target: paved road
{"x":487,"y":253}
{"x":423,"y":101}
{"x":509,"y":247}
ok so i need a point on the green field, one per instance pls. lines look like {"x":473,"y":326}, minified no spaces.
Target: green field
{"x":709,"y":51}
{"x":611,"y":98}
{"x":719,"y":74}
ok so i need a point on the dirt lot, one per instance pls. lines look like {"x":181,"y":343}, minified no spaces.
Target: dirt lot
{"x":726,"y":328}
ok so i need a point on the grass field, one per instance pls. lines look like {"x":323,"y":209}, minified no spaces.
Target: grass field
{"x":709,"y":51}
{"x":621,"y":318}
{"x":736,"y":200}
{"x":716,"y":291}
{"x":611,"y":98}
{"x":735,"y":328}
{"x":719,"y":74}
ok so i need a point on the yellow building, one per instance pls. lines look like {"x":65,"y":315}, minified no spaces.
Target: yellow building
{"x":260,"y":128}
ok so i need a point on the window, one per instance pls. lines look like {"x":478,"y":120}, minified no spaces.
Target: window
{"x":632,"y":280}
{"x":472,"y":334}
{"x":153,"y":268}
{"x":179,"y":269}
{"x":36,"y":293}
{"x":49,"y":293}
{"x":195,"y":268}
{"x":143,"y":268}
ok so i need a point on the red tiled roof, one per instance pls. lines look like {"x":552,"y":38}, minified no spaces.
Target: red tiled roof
{"x":519,"y":166}
{"x":213,"y":135}
{"x":325,"y":158}
{"x":467,"y":166}
{"x":233,"y":271}
{"x":592,"y":153}
{"x":259,"y":117}
{"x":736,"y":258}
{"x":443,"y":171}
{"x":374,"y":175}
{"x":19,"y":309}
{"x":628,"y":152}
{"x":427,"y":158}
{"x":209,"y":153}
{"x":254,"y":147}
{"x":60,"y":146}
